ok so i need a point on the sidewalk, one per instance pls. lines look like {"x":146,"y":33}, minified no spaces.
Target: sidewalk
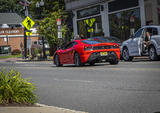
{"x":45,"y":109}
{"x":20,"y":60}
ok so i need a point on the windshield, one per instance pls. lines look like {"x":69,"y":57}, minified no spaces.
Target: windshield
{"x":114,"y":39}
{"x":90,"y":41}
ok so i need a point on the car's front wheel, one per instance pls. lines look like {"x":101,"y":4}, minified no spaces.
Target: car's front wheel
{"x":77,"y":60}
{"x":57,"y":61}
{"x":125,"y":55}
{"x":152,"y":53}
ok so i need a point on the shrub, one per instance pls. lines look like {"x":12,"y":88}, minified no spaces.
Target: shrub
{"x":16,"y":52}
{"x":15,"y":89}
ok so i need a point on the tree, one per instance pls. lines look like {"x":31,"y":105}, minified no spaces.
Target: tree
{"x":49,"y":7}
{"x":11,"y":6}
{"x":48,"y":23}
{"x":48,"y":28}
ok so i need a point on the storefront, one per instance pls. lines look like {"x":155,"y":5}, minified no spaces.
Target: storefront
{"x":89,"y":22}
{"x":119,"y":18}
{"x":13,"y":39}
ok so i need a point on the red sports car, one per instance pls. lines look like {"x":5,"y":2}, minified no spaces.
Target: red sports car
{"x":90,"y":51}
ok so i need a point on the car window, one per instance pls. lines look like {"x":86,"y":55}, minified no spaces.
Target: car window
{"x":90,"y":41}
{"x":154,"y":31}
{"x":138,"y":33}
{"x":70,"y":45}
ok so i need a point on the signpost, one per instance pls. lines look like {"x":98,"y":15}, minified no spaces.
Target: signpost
{"x":28,"y":24}
{"x":59,"y":28}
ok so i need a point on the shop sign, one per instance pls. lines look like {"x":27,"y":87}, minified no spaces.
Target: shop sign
{"x":9,"y":32}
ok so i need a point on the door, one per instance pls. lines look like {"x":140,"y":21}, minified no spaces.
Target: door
{"x":67,"y":53}
{"x":135,"y":45}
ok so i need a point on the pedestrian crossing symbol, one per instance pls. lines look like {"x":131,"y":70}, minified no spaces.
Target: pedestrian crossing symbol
{"x":28,"y":23}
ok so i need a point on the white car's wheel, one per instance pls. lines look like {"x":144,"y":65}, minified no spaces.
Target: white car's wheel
{"x":125,"y":55}
{"x":152,"y":53}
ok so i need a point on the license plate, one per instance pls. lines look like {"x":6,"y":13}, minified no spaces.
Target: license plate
{"x":103,"y":53}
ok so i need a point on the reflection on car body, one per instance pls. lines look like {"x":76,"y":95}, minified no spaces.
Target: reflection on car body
{"x":107,"y":39}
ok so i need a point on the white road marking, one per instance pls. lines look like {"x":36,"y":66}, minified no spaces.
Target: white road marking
{"x":69,"y":80}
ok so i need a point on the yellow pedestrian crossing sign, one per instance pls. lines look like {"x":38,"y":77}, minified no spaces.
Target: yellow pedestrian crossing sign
{"x":28,"y":23}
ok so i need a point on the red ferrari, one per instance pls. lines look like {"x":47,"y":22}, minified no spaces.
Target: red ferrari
{"x":90,"y":51}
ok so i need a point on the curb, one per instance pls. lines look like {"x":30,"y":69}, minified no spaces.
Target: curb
{"x":65,"y":110}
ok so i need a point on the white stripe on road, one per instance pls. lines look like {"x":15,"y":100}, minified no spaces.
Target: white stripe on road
{"x":69,"y":80}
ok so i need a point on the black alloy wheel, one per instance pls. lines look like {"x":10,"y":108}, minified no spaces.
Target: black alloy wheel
{"x":125,"y":55}
{"x":77,"y":60}
{"x":91,"y":63}
{"x":57,"y":61}
{"x":115,"y":60}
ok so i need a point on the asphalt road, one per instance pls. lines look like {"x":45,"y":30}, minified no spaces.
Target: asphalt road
{"x":129,"y":87}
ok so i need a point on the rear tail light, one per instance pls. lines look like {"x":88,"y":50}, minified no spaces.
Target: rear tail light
{"x":114,"y":46}
{"x":88,"y":48}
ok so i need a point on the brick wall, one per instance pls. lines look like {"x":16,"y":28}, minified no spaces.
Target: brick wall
{"x":15,"y":37}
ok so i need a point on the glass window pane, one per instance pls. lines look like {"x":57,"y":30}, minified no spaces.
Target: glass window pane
{"x":88,"y":12}
{"x":122,"y":4}
{"x":90,"y":27}
{"x":123,"y":23}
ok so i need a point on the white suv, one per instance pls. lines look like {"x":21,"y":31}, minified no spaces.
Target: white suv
{"x":146,"y":41}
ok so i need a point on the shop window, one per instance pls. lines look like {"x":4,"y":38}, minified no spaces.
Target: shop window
{"x":122,"y":4}
{"x":90,"y":27}
{"x":158,"y":2}
{"x":88,"y":12}
{"x":123,"y":23}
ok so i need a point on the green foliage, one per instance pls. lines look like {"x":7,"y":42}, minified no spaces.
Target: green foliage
{"x":15,"y":89}
{"x":49,"y":7}
{"x":37,"y":52}
{"x":11,"y":6}
{"x":49,"y":29}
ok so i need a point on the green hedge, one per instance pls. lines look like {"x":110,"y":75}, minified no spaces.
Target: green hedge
{"x":15,"y":89}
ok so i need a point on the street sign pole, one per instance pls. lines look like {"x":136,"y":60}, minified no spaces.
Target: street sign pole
{"x":25,"y":36}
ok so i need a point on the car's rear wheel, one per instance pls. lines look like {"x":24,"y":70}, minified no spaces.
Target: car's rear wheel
{"x":91,"y":63}
{"x":152,"y":53}
{"x":125,"y":55}
{"x":115,"y":60}
{"x":77,"y":60}
{"x":57,"y":61}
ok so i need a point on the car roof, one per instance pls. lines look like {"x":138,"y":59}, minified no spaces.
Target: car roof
{"x":156,"y":26}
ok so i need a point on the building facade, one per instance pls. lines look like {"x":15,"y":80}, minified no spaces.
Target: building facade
{"x":12,"y":39}
{"x":119,"y":18}
{"x":12,"y":33}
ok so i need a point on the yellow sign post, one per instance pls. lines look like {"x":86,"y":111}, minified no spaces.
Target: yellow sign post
{"x":28,"y":23}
